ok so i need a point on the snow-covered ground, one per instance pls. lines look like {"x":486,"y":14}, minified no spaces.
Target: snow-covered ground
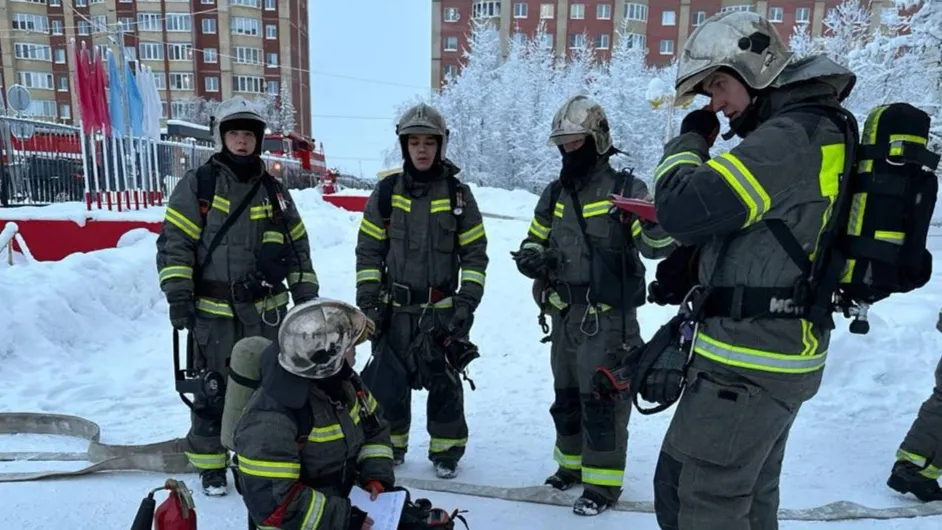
{"x":89,"y":336}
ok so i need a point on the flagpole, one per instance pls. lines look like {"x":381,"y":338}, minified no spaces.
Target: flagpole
{"x":86,"y":176}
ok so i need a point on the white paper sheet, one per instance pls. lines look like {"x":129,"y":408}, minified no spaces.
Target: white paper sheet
{"x":384,"y":511}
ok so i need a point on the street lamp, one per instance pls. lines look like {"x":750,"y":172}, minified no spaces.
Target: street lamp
{"x":660,"y":93}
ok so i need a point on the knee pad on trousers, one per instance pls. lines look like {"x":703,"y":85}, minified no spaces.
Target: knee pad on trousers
{"x":566,"y":411}
{"x":666,"y":498}
{"x":599,"y":424}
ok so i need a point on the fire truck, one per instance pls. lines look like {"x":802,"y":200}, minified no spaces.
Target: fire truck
{"x":41,"y":162}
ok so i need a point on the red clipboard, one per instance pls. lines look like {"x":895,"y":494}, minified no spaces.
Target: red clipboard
{"x":643,"y":209}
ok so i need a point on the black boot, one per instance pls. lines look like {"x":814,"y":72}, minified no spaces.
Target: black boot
{"x":214,"y":482}
{"x":906,"y":478}
{"x":590,"y":503}
{"x":563,"y":480}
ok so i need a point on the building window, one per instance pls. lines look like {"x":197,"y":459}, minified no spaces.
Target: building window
{"x":160,"y":80}
{"x":149,"y":22}
{"x":270,"y":5}
{"x":636,"y":40}
{"x":271,"y":87}
{"x":637,"y":12}
{"x":181,"y":109}
{"x":209,"y":26}
{"x":60,"y":55}
{"x":451,"y":14}
{"x":151,"y":51}
{"x":271,"y":60}
{"x":84,"y":28}
{"x":210,"y":55}
{"x":208,"y":2}
{"x":547,"y":11}
{"x":451,"y":44}
{"x":211,"y":84}
{"x":577,"y":40}
{"x":179,"y":22}
{"x":251,"y":27}
{"x":485,"y":9}
{"x":62,"y":83}
{"x":45,"y":108}
{"x":32,"y":52}
{"x":57,"y":28}
{"x":181,"y":81}
{"x":603,"y":11}
{"x":602,"y":41}
{"x":36,"y":80}
{"x":577,"y":11}
{"x":451,"y":70}
{"x":247,"y":83}
{"x":737,"y":7}
{"x":100,"y":23}
{"x":520,"y":10}
{"x":41,"y":2}
{"x":65,"y":112}
{"x":776,"y":14}
{"x":802,"y":15}
{"x":668,"y":18}
{"x":245,"y":55}
{"x":546,"y":40}
{"x":271,"y":31}
{"x":55,"y":3}
{"x":667,"y":47}
{"x":130,"y":52}
{"x":179,"y":52}
{"x":245,"y":3}
{"x":127,"y":24}
{"x":30,"y":22}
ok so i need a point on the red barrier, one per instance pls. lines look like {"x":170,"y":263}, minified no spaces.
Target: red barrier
{"x":353,"y":203}
{"x":52,"y":240}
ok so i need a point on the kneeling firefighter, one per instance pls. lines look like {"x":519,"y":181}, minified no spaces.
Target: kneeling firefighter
{"x":311,"y":431}
{"x":230,"y":239}
{"x":421,"y":260}
{"x":584,"y":256}
{"x":305,"y":429}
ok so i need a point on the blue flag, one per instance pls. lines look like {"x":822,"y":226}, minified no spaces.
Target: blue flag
{"x":115,"y":98}
{"x":135,"y":102}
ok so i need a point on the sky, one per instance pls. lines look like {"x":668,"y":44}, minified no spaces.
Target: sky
{"x":367,"y":57}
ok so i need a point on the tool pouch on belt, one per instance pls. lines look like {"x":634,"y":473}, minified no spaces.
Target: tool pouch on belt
{"x":429,"y":361}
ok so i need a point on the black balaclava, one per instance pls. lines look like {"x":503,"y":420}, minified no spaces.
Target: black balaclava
{"x":333,"y":385}
{"x":577,"y":164}
{"x":428,"y":174}
{"x":244,"y":166}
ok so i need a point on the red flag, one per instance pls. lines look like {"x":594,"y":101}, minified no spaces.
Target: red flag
{"x":82,"y":85}
{"x":102,"y":101}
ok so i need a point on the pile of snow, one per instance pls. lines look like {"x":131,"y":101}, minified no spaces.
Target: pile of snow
{"x":90,"y":336}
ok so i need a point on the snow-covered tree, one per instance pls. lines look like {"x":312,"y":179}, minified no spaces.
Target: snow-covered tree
{"x":267,"y":106}
{"x":286,"y":113}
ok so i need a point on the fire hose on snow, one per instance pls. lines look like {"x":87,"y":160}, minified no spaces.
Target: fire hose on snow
{"x":167,"y":458}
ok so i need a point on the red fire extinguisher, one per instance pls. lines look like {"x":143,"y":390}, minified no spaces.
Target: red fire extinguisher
{"x":177,"y":512}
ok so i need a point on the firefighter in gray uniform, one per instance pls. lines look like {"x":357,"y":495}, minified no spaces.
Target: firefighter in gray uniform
{"x":421,"y":259}
{"x":919,"y":458}
{"x":224,"y":288}
{"x":752,"y":367}
{"x":312,"y":430}
{"x":587,"y":259}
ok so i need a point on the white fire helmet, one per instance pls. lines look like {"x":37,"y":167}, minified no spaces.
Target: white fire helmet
{"x":316,"y":335}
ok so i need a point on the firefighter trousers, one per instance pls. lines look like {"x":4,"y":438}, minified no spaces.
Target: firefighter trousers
{"x":591,"y":435}
{"x":445,"y":418}
{"x":721,"y":458}
{"x":923,"y":443}
{"x":214,"y":339}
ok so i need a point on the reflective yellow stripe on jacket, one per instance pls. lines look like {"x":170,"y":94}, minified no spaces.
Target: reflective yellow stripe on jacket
{"x":809,"y":359}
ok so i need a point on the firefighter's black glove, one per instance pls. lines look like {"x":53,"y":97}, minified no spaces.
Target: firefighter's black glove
{"x":376,"y":313}
{"x":182,"y":312}
{"x":535,"y":262}
{"x":664,"y":382}
{"x":703,"y":122}
{"x":273,"y":264}
{"x":460,"y":323}
{"x":357,"y":518}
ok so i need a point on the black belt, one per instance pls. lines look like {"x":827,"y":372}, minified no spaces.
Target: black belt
{"x":405,"y":295}
{"x":238,"y":292}
{"x":742,"y":302}
{"x":572,"y":294}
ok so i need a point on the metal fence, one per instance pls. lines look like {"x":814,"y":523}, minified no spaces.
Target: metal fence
{"x":44,"y":162}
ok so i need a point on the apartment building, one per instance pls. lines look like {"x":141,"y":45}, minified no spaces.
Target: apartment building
{"x":213,"y":49}
{"x":661,"y":26}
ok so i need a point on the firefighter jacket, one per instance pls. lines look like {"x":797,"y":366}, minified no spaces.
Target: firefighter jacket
{"x":297,"y":462}
{"x":556,"y":226}
{"x":185,"y":238}
{"x":424,"y":244}
{"x":788,"y":169}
